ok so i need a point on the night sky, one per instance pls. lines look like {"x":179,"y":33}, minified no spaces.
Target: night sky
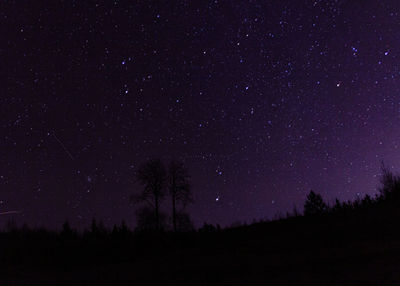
{"x":262,"y":100}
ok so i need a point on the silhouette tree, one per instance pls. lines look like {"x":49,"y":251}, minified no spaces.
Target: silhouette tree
{"x":97,"y":229}
{"x":337,"y":207}
{"x":314,"y":204}
{"x":367,"y":201}
{"x":67,"y":232}
{"x":119,"y":232}
{"x":93,"y":227}
{"x":179,"y":188}
{"x":152,"y":175}
{"x":390,"y":184}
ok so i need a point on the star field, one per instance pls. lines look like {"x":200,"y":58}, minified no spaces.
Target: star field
{"x":262,"y":100}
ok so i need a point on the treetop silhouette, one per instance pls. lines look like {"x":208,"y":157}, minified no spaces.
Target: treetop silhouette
{"x":314,"y":204}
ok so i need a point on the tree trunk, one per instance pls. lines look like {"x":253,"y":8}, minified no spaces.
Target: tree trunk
{"x":174,"y":210}
{"x":157,"y":214}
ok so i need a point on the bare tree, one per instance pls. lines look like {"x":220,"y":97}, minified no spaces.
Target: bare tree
{"x":179,"y":188}
{"x":390,"y":184}
{"x":152,"y":175}
{"x":314,"y":204}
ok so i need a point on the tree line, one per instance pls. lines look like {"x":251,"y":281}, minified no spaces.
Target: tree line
{"x":388,"y":194}
{"x":172,"y":181}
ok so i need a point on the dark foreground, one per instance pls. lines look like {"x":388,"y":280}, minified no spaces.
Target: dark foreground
{"x":363,"y":250}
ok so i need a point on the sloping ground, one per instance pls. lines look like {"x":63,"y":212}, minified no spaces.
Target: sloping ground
{"x":299,"y":251}
{"x":367,"y":263}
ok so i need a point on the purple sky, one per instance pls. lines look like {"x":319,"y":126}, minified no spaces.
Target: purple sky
{"x":263,"y":101}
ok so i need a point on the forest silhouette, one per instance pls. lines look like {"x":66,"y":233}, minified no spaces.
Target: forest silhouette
{"x":347,"y":243}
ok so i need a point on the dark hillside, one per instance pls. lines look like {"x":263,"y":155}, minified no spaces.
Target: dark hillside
{"x":331,"y":249}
